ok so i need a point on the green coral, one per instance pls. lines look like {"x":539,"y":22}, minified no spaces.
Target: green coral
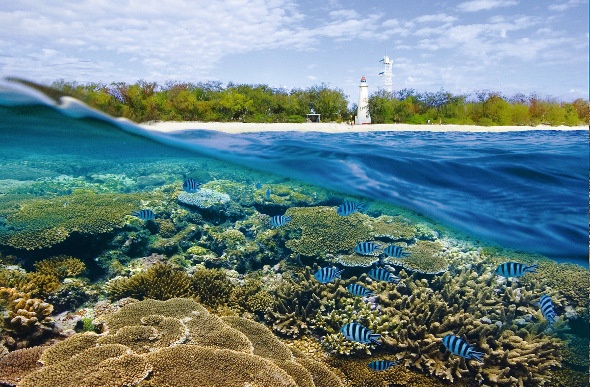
{"x":211,"y":287}
{"x":323,"y":231}
{"x":42,"y":223}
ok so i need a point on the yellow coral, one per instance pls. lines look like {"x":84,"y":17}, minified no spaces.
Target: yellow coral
{"x":161,"y":282}
{"x":61,"y":266}
{"x":425,"y":257}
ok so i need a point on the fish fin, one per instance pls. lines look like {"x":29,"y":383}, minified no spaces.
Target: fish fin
{"x":476,"y":356}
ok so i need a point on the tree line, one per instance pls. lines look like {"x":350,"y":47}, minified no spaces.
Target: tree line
{"x":212,"y":101}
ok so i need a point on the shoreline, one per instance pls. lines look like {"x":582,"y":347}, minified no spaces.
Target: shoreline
{"x":331,"y":127}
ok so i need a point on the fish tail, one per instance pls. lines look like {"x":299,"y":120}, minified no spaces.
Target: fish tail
{"x":374,"y":337}
{"x":531,"y":269}
{"x":476,"y":356}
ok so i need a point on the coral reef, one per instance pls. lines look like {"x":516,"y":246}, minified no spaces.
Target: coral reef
{"x":425,"y":257}
{"x":19,"y":363}
{"x":61,"y":266}
{"x":211,"y":287}
{"x":161,"y":282}
{"x":204,"y":198}
{"x":42,"y":223}
{"x":182,"y":344}
{"x":322,"y":231}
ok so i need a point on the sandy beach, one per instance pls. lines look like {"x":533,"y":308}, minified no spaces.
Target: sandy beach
{"x":240,"y":127}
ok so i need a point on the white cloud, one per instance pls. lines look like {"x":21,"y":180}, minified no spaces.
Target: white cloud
{"x":484,"y":5}
{"x":567,"y":5}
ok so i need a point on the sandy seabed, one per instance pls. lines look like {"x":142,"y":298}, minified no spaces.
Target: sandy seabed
{"x":240,"y":127}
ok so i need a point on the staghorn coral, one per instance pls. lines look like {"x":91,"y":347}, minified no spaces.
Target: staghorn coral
{"x":354,"y":260}
{"x":323,"y":231}
{"x":209,"y":356}
{"x":211,"y":287}
{"x":19,"y":363}
{"x":42,"y":223}
{"x":38,"y":284}
{"x":425,"y":257}
{"x":161,"y":282}
{"x":61,"y":266}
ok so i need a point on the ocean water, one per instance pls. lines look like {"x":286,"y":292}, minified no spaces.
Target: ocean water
{"x":522,"y":190}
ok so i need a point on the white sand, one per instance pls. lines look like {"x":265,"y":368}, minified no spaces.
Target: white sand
{"x":240,"y":127}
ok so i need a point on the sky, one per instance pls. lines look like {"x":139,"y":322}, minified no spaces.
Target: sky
{"x":508,"y":46}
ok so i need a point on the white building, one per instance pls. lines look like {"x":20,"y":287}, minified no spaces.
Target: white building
{"x":362,"y":113}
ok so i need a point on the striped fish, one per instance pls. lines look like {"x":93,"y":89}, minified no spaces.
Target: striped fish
{"x":515,"y":269}
{"x":359,"y":290}
{"x":327,"y":274}
{"x":380,"y":274}
{"x":348,"y":208}
{"x":459,"y":347}
{"x":395,"y":251}
{"x":190,"y":185}
{"x":279,"y":220}
{"x":547,"y":308}
{"x":145,"y":214}
{"x":381,"y":365}
{"x":356,"y":332}
{"x":366,"y":248}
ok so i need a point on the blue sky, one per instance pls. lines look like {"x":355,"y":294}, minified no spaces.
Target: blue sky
{"x":462,"y":46}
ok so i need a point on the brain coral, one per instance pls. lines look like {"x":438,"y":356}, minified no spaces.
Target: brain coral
{"x":194,"y":358}
{"x":323,"y":231}
{"x":41,"y":223}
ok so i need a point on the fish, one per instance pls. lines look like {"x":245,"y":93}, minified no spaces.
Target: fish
{"x":366,"y":248}
{"x":279,"y":220}
{"x":145,"y":214}
{"x":395,"y":251}
{"x":515,"y":269}
{"x":458,"y":346}
{"x":267,"y":194}
{"x":356,"y":332}
{"x":381,"y":365}
{"x":191,"y":185}
{"x":547,"y":308}
{"x":380,"y":274}
{"x":359,"y":290}
{"x":327,"y":274}
{"x":348,"y":208}
{"x":258,"y":185}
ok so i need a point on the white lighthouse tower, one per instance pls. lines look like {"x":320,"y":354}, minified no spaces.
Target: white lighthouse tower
{"x":387,"y":74}
{"x":362,"y":113}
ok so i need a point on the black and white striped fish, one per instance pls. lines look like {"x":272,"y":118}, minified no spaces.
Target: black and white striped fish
{"x":380,"y":274}
{"x":381,"y":365}
{"x":348,"y":208}
{"x":547,"y":308}
{"x":515,"y":269}
{"x":359,"y":290}
{"x":356,"y":332}
{"x":279,"y":220}
{"x":459,"y":347}
{"x":190,"y":185}
{"x":366,"y":248}
{"x":327,"y":274}
{"x":395,"y":251}
{"x":145,"y":214}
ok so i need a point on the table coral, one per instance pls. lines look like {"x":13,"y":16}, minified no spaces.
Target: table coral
{"x":425,"y":257}
{"x":323,"y":231}
{"x":265,"y":361}
{"x":204,"y":198}
{"x":19,"y":363}
{"x":42,"y":223}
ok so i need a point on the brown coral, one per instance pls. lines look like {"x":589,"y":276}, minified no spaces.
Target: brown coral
{"x":61,"y":266}
{"x":19,"y":363}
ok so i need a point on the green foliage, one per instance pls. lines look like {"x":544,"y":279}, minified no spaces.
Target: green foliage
{"x":145,"y":101}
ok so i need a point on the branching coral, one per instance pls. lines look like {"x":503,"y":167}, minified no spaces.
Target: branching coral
{"x":61,"y":266}
{"x":41,"y":223}
{"x":211,"y":287}
{"x":161,"y":282}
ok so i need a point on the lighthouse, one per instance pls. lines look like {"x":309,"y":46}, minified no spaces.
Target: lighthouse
{"x":362,"y":113}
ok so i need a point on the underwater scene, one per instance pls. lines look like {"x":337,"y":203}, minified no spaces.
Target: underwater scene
{"x":129,"y":258}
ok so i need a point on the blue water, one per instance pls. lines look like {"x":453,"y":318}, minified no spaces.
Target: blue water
{"x":523,"y":190}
